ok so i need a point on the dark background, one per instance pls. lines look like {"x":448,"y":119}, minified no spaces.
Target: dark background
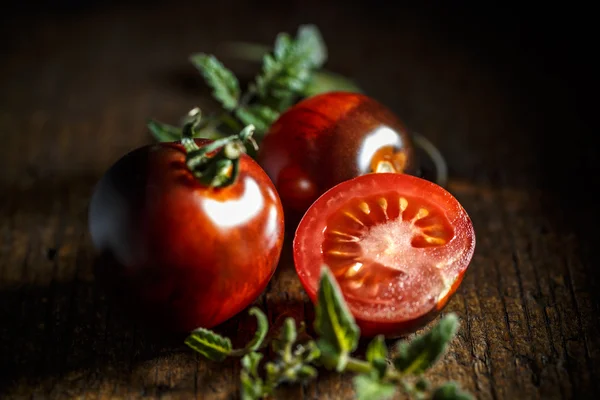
{"x":507,"y":91}
{"x":542,"y":55}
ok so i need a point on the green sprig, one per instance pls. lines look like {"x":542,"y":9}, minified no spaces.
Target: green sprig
{"x":290,"y":71}
{"x":421,"y":353}
{"x":298,"y":361}
{"x":287,"y":71}
{"x":334,"y":323}
{"x":225,"y":85}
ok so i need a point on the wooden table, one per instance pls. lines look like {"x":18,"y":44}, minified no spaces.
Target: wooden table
{"x":78,"y":85}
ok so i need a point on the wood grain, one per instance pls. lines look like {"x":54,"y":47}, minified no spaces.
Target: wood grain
{"x":77,"y":89}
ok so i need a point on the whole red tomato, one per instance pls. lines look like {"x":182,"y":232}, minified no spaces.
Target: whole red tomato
{"x":397,"y":244}
{"x":181,"y":252}
{"x":329,"y":138}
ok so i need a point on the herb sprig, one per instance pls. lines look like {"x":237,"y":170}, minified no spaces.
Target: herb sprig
{"x":379,"y":376}
{"x":290,"y":71}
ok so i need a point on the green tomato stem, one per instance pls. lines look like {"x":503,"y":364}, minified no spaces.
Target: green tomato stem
{"x":220,"y":169}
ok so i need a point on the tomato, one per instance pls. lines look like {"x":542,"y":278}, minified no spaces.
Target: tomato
{"x":397,"y":244}
{"x":329,"y":138}
{"x":181,"y":253}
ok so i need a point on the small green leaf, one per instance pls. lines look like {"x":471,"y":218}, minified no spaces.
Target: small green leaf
{"x":450,"y":391}
{"x":226,"y":88}
{"x":307,"y":35}
{"x":210,"y":344}
{"x":416,"y":356}
{"x":260,"y":116}
{"x":164,"y":132}
{"x":250,"y":389}
{"x":334,"y":323}
{"x":285,"y":339}
{"x":377,"y":349}
{"x":377,"y":353}
{"x":306,"y":373}
{"x":310,"y":40}
{"x":286,"y":72}
{"x":272,"y":371}
{"x":308,"y":352}
{"x":368,"y":388}
{"x":283,"y":46}
{"x":262,"y":328}
{"x":288,"y":333}
{"x":250,"y":363}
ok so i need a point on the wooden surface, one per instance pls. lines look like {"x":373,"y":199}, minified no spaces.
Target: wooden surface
{"x":77,"y":87}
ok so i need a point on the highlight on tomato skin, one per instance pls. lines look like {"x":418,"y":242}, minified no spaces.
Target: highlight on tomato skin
{"x":176,"y":252}
{"x":398,"y":245}
{"x":329,"y":138}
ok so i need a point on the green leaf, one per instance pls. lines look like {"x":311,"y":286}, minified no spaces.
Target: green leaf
{"x":259,"y":115}
{"x":226,"y":88}
{"x":377,"y":353}
{"x":450,"y":391}
{"x":310,"y":41}
{"x":308,"y":352}
{"x":250,"y":389}
{"x":287,"y":71}
{"x":250,"y":363}
{"x":262,"y":328}
{"x":210,"y":344}
{"x":325,"y":81}
{"x":307,"y":35}
{"x":272,"y":370}
{"x":283,"y":46}
{"x":288,"y":333}
{"x":368,"y":388}
{"x":377,"y":350}
{"x":416,"y":356}
{"x":334,"y":323}
{"x":164,"y":132}
{"x":306,"y":373}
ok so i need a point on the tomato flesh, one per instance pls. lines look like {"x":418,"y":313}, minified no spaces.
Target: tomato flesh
{"x":398,"y":246}
{"x":329,"y":138}
{"x":178,"y":253}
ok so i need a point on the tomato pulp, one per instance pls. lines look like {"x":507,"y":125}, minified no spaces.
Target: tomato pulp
{"x":179,"y":252}
{"x":329,"y":138}
{"x":398,"y":246}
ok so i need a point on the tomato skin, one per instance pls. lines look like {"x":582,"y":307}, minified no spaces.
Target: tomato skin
{"x":329,"y":138}
{"x":181,"y":254}
{"x":413,"y":278}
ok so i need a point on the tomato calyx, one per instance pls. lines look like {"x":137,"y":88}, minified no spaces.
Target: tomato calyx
{"x":217,"y":163}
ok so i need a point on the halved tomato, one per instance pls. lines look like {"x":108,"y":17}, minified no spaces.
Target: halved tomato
{"x":398,"y":246}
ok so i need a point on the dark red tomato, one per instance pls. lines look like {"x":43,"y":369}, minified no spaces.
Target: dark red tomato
{"x":329,"y":138}
{"x":398,"y":246}
{"x":182,"y":253}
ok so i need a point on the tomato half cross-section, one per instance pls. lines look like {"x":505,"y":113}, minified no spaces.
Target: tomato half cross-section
{"x":179,"y":253}
{"x":398,"y":246}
